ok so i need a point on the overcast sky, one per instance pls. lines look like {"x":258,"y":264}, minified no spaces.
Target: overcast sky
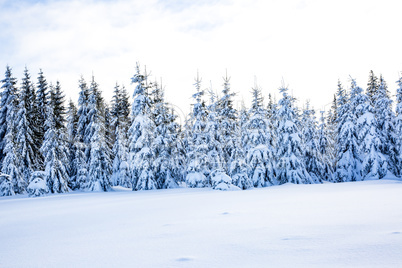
{"x":308,"y":44}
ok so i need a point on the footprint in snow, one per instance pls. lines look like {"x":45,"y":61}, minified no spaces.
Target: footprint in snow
{"x":184,"y":259}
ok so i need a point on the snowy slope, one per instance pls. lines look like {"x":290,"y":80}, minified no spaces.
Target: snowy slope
{"x":355,"y":224}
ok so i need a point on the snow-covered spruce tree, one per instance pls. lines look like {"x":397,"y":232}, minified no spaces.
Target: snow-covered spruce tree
{"x":11,"y":162}
{"x":120,"y":110}
{"x":311,"y":152}
{"x":290,"y":165}
{"x":227,"y":119}
{"x":238,"y":166}
{"x":164,"y":138}
{"x":72,"y":121}
{"x":260,"y":155}
{"x":121,"y":170}
{"x":372,"y":87}
{"x":27,"y":149}
{"x":115,"y":111}
{"x":213,"y":137}
{"x":141,"y":136}
{"x":386,"y":130}
{"x":6,"y":185}
{"x":54,"y":152}
{"x":331,"y":128}
{"x":8,"y":101}
{"x":398,"y":125}
{"x":197,"y":150}
{"x":41,"y":102}
{"x":97,"y":151}
{"x":374,"y":164}
{"x":83,"y":102}
{"x":57,"y":100}
{"x":80,"y":141}
{"x":217,"y":166}
{"x":324,"y":148}
{"x":348,"y":163}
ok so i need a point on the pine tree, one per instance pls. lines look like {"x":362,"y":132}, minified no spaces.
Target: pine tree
{"x":290,"y":166}
{"x":168,"y":160}
{"x":42,"y":99}
{"x":331,"y":128}
{"x":54,"y":152}
{"x":398,"y":125}
{"x":311,"y":144}
{"x":141,"y":136}
{"x":6,"y":185}
{"x":27,"y":150}
{"x":260,"y":155}
{"x":97,"y":149}
{"x":57,"y":100}
{"x":121,"y":170}
{"x":324,"y":150}
{"x":374,"y":164}
{"x":119,"y":114}
{"x":213,"y":137}
{"x":197,"y":150}
{"x":348,"y":160}
{"x":372,"y":87}
{"x":11,"y":161}
{"x":72,"y":121}
{"x":238,"y":167}
{"x":385,"y":118}
{"x":8,"y":101}
{"x":227,"y":116}
{"x":81,"y":142}
{"x":83,"y":102}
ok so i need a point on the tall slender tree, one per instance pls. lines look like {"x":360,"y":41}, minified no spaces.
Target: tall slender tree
{"x":54,"y":150}
{"x":27,"y":150}
{"x":290,"y":166}
{"x":197,"y":160}
{"x":8,"y":105}
{"x":348,"y":160}
{"x":141,"y":135}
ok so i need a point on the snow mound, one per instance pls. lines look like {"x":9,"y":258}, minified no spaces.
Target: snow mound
{"x":221,"y":181}
{"x":37,"y":186}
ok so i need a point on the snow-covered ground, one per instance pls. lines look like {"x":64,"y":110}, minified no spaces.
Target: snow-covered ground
{"x":355,"y":224}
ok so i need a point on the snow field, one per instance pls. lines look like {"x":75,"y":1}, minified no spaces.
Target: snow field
{"x":355,"y":224}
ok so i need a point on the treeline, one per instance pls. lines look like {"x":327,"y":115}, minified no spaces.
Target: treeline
{"x":46,"y":147}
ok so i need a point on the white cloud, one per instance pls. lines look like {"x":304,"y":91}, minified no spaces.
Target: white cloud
{"x":309,"y":43}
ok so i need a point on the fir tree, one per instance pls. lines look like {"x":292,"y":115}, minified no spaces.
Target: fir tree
{"x":324,"y":150}
{"x":42,"y":99}
{"x":97,"y":149}
{"x":290,"y":166}
{"x":7,"y":104}
{"x":165,"y":141}
{"x":141,"y":136}
{"x":197,"y":160}
{"x":83,"y":102}
{"x":310,"y":144}
{"x":227,"y":116}
{"x":54,"y":152}
{"x":372,"y":87}
{"x":260,"y":156}
{"x":238,"y":167}
{"x":348,"y":161}
{"x":72,"y":121}
{"x":27,"y":150}
{"x":398,"y":125}
{"x":374,"y":164}
{"x":331,"y":128}
{"x":385,"y":118}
